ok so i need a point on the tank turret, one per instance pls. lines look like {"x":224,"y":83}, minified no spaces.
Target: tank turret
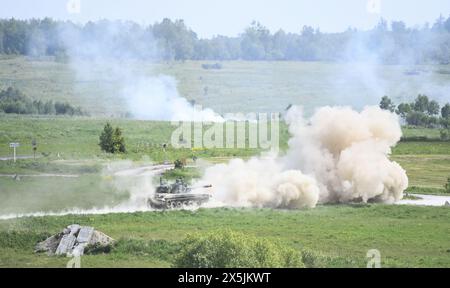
{"x":177,"y":195}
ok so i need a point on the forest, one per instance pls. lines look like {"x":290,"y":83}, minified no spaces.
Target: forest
{"x":388,"y":43}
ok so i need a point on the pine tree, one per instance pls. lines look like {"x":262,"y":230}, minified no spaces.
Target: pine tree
{"x":118,"y":141}
{"x":106,"y":139}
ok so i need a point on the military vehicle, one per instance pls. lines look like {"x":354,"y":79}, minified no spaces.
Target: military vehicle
{"x":176,"y":195}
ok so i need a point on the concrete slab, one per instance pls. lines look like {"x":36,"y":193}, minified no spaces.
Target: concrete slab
{"x":85,"y":234}
{"x":66,"y":244}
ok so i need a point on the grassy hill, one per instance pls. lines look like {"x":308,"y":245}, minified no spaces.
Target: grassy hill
{"x":240,"y":86}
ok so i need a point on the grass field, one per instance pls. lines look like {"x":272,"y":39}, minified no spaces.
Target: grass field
{"x":239,"y":86}
{"x":336,"y":235}
{"x":340,"y":235}
{"x":77,"y":138}
{"x":71,"y":146}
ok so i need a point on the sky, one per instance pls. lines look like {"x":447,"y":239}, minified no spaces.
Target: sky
{"x":230,"y":17}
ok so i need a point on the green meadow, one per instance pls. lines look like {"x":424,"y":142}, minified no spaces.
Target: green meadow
{"x":327,"y":236}
{"x":330,"y":236}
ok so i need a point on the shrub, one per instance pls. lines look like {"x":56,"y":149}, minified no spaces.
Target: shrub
{"x":14,"y":101}
{"x":216,"y":66}
{"x":227,"y":249}
{"x":111,"y":140}
{"x":313,"y":259}
{"x":447,"y":186}
{"x":97,"y":248}
{"x":179,"y":164}
{"x":445,"y":135}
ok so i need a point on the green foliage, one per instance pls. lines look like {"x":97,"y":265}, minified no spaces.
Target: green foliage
{"x":447,"y":185}
{"x":106,"y":139}
{"x":14,"y":101}
{"x":426,"y":190}
{"x":445,"y":134}
{"x":313,"y":259}
{"x":421,"y":104}
{"x":433,"y":108}
{"x":66,"y":109}
{"x":421,"y":113}
{"x":118,"y":141}
{"x":445,"y":122}
{"x":403,"y":109}
{"x":228,"y":249}
{"x":179,"y":164}
{"x":111,"y":140}
{"x":186,"y":173}
{"x":416,"y":118}
{"x":337,"y":235}
{"x":39,"y":37}
{"x":20,"y":239}
{"x":95,"y":249}
{"x":445,"y":111}
{"x":387,"y":104}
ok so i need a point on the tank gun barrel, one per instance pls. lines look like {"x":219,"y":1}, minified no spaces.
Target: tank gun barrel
{"x":204,"y":186}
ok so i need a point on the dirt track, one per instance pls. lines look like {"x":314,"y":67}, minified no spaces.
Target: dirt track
{"x":426,"y":200}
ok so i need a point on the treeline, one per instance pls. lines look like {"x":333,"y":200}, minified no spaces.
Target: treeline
{"x":14,"y":101}
{"x":423,"y":112}
{"x":172,"y":40}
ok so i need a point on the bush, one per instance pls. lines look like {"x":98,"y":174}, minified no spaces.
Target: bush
{"x":312,"y":259}
{"x":216,"y":66}
{"x":111,"y":140}
{"x":445,"y":135}
{"x":227,"y":249}
{"x":179,"y":164}
{"x":14,"y":101}
{"x":447,"y":186}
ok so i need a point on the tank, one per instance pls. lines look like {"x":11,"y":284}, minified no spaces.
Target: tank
{"x":176,"y":195}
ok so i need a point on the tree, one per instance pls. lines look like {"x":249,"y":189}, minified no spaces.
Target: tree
{"x":14,"y":101}
{"x":118,"y":141}
{"x":447,"y":24}
{"x":433,"y":108}
{"x":111,"y":140}
{"x":445,"y":111}
{"x":416,"y":118}
{"x":403,"y":109}
{"x":445,"y":135}
{"x":445,"y":122}
{"x":421,"y":103}
{"x":256,"y":42}
{"x":106,"y":139}
{"x":432,"y":122}
{"x":386,"y":104}
{"x":398,"y":26}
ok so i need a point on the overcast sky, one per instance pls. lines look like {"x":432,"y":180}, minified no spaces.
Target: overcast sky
{"x":230,"y":17}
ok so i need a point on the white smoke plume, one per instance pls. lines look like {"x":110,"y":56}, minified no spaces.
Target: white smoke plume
{"x":261,"y":182}
{"x":157,"y":98}
{"x":339,"y":155}
{"x":124,"y":70}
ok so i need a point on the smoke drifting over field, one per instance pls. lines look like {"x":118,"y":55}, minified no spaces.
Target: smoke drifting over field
{"x":99,"y":57}
{"x":339,"y":155}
